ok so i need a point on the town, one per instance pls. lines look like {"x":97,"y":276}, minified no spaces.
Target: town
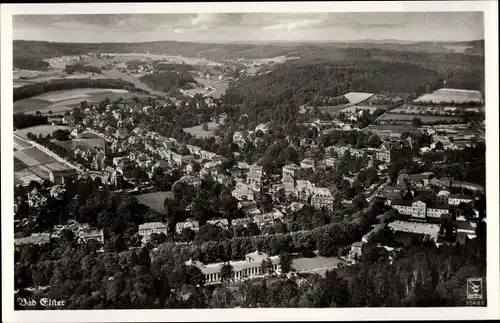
{"x":148,"y":180}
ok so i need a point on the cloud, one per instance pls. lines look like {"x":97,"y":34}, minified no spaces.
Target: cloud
{"x":302,"y":24}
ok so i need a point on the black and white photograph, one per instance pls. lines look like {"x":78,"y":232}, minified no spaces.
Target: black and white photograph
{"x":280,"y":157}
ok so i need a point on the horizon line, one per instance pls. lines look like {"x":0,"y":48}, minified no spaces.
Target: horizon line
{"x":367,"y":41}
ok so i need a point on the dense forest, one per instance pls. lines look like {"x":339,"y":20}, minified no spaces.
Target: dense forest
{"x":167,"y":81}
{"x":30,"y":63}
{"x":299,"y":82}
{"x":30,"y":90}
{"x":80,"y":68}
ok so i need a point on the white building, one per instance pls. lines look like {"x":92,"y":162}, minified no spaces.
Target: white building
{"x":147,"y":229}
{"x":245,"y":269}
{"x":456,"y":199}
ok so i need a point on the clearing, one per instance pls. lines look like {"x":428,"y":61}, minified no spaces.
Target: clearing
{"x":198,"y":131}
{"x":155,"y":200}
{"x":317,"y":265}
{"x":452,"y":95}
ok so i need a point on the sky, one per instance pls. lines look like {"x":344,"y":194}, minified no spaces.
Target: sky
{"x":245,"y":27}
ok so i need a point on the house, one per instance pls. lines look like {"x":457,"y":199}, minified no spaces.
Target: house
{"x":384,"y":153}
{"x":188,"y":224}
{"x":90,"y":234}
{"x":321,"y":198}
{"x":268,"y":218}
{"x":456,"y":199}
{"x":290,"y":169}
{"x":430,"y":230}
{"x":57,"y":192}
{"x":356,"y":249}
{"x":419,"y":208}
{"x":245,"y":269}
{"x":35,"y":199}
{"x":443,"y":196}
{"x":222,"y":223}
{"x":147,"y":229}
{"x":243,"y":192}
{"x":62,"y":176}
{"x":242,"y":221}
{"x":331,"y":162}
{"x":308,"y":163}
{"x":254,"y":177}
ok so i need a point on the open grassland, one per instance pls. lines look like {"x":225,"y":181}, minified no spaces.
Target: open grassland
{"x":83,"y":144}
{"x":317,"y":265}
{"x":451,"y":95}
{"x":357,"y":97}
{"x":32,"y":157}
{"x":154,"y":200}
{"x":198,"y":131}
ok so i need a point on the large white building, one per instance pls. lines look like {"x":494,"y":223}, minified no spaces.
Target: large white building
{"x":420,"y":209}
{"x":456,"y":199}
{"x":147,"y":229}
{"x":245,"y":269}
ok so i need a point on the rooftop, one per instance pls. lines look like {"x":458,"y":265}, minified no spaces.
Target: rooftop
{"x":152,"y":225}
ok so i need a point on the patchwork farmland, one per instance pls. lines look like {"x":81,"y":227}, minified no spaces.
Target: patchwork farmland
{"x":62,"y":101}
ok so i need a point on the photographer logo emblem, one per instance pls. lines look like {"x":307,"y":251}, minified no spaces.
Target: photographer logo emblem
{"x":474,"y":289}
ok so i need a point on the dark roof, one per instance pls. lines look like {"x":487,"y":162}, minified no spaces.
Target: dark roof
{"x":401,"y":202}
{"x":438,"y":206}
{"x":63,"y":172}
{"x":407,"y":237}
{"x":460,"y":196}
{"x":463,"y":225}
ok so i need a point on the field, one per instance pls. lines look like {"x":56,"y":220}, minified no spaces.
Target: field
{"x":83,"y":144}
{"x":409,"y":117}
{"x":278,"y":59}
{"x":317,"y":265}
{"x":62,"y":101}
{"x":357,"y":97}
{"x":452,"y":95}
{"x":33,"y":164}
{"x":43,"y":129}
{"x":198,"y":131}
{"x":154,"y":200}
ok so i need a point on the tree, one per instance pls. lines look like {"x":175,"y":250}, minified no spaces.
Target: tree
{"x":416,"y":122}
{"x":266,"y":266}
{"x":285,"y":262}
{"x":205,"y":127}
{"x":439,"y":145}
{"x":226,"y":272}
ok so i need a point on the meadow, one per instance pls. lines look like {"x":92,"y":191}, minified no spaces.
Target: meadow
{"x":154,"y":200}
{"x":451,"y":95}
{"x":198,"y":131}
